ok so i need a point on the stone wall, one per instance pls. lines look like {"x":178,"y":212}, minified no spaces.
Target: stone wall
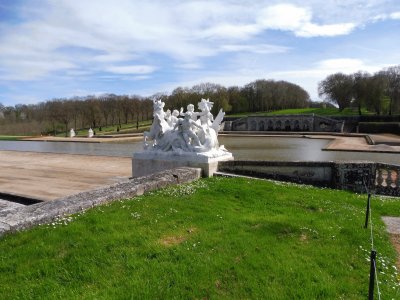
{"x":22,"y":217}
{"x":383,"y":179}
{"x":303,"y":123}
{"x":379,"y":127}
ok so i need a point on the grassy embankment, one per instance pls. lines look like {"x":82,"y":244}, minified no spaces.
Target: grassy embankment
{"x":106,"y":130}
{"x":214,"y":238}
{"x":10,"y":138}
{"x":305,"y":111}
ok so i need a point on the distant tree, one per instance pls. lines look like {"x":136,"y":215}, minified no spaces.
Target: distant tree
{"x":51,"y":113}
{"x":377,"y":85}
{"x":146,"y":108}
{"x":338,"y":89}
{"x":360,"y":89}
{"x":66,"y":113}
{"x":266,"y":95}
{"x":1,"y":111}
{"x":180,"y":97}
{"x":125,"y":103}
{"x":237,"y":100}
{"x":106,"y":105}
{"x":392,"y":75}
{"x":76,"y":109}
{"x":91,"y":111}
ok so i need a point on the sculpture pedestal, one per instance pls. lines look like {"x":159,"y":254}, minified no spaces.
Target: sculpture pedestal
{"x":148,"y":162}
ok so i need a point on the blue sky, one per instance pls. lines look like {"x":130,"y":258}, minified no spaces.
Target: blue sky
{"x":63,"y":48}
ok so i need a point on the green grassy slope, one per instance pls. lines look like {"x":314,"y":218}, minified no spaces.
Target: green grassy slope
{"x":215,"y":238}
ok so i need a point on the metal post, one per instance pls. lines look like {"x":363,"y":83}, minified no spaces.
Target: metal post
{"x":372,"y":276}
{"x":367,"y":212}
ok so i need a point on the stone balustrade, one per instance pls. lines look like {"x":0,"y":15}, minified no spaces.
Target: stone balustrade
{"x":301,"y":123}
{"x":387,"y":179}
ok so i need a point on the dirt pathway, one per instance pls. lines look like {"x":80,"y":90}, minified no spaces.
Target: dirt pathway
{"x":393,"y":227}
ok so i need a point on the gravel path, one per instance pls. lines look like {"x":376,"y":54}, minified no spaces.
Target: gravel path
{"x":392,"y":224}
{"x":393,"y":227}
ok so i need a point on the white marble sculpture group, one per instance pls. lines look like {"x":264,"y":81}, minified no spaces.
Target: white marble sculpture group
{"x":185,"y":132}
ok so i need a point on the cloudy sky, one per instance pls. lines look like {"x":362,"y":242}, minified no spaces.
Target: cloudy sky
{"x":62,"y":48}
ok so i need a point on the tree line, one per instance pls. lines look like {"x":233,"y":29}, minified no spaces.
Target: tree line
{"x":58,"y":115}
{"x":378,"y":92}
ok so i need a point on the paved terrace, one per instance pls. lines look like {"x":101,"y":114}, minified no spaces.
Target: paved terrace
{"x":48,"y":176}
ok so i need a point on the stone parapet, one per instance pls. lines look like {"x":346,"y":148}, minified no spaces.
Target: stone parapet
{"x":23,"y":217}
{"x":357,"y":176}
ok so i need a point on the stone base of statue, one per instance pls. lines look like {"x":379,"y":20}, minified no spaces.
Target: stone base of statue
{"x":148,"y":162}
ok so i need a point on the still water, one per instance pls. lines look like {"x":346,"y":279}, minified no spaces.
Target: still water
{"x":243,"y":148}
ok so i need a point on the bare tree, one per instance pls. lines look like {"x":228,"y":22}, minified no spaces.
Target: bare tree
{"x":392,"y":75}
{"x":360,"y":88}
{"x":377,"y":85}
{"x":338,"y":89}
{"x":91,"y":111}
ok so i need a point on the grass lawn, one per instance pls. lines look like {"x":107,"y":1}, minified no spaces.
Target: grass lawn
{"x":125,"y":128}
{"x":305,"y":111}
{"x":214,"y":238}
{"x":9,"y":138}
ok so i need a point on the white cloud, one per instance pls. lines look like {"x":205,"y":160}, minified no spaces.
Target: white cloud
{"x":255,"y":48}
{"x":113,"y":57}
{"x":395,"y":15}
{"x":284,"y":17}
{"x":136,"y":69}
{"x":312,"y":30}
{"x":325,"y":67}
{"x":189,"y":66}
{"x":288,"y":17}
{"x":309,"y":78}
{"x":231,"y":31}
{"x":23,"y":70}
{"x":349,"y":65}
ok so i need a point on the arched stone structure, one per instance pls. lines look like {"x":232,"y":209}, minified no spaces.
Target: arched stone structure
{"x":253,"y":125}
{"x":287,"y":123}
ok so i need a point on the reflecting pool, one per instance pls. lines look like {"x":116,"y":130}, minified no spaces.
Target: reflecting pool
{"x":242,"y":147}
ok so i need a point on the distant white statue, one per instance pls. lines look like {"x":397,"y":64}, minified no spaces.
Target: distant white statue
{"x":72,"y":133}
{"x":196,"y":132}
{"x":90,"y":133}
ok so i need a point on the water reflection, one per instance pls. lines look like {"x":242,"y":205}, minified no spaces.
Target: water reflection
{"x":243,"y":148}
{"x":107,"y":149}
{"x":275,"y":148}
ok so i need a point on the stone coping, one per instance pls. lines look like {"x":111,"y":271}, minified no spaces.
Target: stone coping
{"x":22,"y":217}
{"x":205,"y":157}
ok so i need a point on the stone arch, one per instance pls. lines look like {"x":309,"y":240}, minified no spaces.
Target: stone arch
{"x":278,"y":125}
{"x":287,"y":125}
{"x":253,"y":125}
{"x":270,"y":125}
{"x":306,"y":126}
{"x":296,"y":125}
